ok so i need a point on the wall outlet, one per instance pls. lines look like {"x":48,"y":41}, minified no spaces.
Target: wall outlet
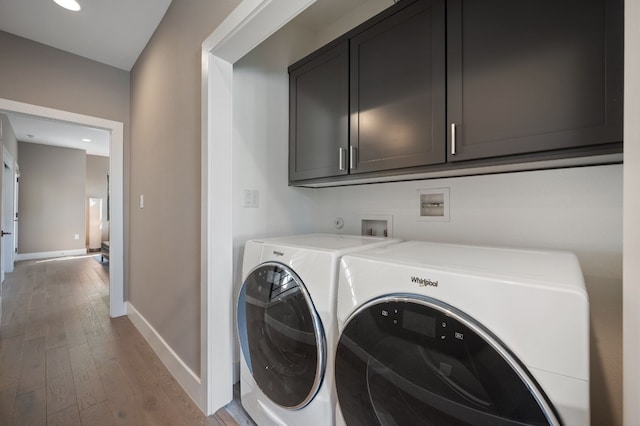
{"x":76,"y":236}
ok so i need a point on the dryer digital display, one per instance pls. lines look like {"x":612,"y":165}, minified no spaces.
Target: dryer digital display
{"x":419,"y":323}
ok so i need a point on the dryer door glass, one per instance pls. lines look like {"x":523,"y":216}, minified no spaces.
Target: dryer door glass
{"x":409,"y":360}
{"x":281,"y":335}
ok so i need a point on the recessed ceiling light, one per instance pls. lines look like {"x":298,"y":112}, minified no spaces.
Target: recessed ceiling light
{"x":72,"y":5}
{"x":86,"y":140}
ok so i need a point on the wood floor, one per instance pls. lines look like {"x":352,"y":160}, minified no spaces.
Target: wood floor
{"x":63,"y":361}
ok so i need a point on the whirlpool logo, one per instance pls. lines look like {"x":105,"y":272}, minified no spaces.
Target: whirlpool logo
{"x":424,"y":282}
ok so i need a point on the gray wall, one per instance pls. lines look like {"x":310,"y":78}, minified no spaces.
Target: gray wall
{"x":52,"y":198}
{"x":40,"y":75}
{"x":165,"y":167}
{"x":96,"y":186}
{"x":37,"y":74}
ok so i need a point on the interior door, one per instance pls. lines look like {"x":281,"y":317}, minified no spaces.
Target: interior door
{"x":16,"y":216}
{"x":8,"y":212}
{"x":281,"y":335}
{"x":409,"y":360}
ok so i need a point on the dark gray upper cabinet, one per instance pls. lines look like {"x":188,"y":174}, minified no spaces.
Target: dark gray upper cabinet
{"x":397,"y":90}
{"x":318,"y":116}
{"x":533,"y":75}
{"x":433,"y":85}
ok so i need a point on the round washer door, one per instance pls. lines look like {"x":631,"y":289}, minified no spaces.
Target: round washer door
{"x":281,"y":335}
{"x":413,"y":360}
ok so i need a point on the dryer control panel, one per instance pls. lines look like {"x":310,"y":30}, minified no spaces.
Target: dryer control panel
{"x":416,"y":324}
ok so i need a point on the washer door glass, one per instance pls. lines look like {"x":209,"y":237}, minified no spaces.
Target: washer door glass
{"x":281,"y":335}
{"x":411,"y":360}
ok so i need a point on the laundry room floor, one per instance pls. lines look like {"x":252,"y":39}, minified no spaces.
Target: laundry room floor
{"x":63,"y":361}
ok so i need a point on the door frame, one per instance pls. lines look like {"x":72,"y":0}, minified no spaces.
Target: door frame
{"x":249,"y":24}
{"x":117,"y":306}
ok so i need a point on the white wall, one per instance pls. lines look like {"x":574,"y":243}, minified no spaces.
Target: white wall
{"x":260,"y":142}
{"x":578,"y":209}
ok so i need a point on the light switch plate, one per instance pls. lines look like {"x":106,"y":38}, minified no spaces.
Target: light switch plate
{"x":251,"y":198}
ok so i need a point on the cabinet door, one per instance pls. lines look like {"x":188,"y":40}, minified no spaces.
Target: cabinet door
{"x":397,"y":90}
{"x":532,"y":75}
{"x":318,"y":115}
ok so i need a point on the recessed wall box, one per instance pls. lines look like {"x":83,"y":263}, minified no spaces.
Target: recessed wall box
{"x":433,"y":204}
{"x":377,"y":225}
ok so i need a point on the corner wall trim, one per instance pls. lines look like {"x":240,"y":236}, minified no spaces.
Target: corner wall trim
{"x":50,"y":254}
{"x":189,"y":381}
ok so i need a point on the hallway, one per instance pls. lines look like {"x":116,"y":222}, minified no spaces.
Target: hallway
{"x":63,"y":361}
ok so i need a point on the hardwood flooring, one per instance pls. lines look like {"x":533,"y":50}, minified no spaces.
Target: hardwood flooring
{"x":63,"y":361}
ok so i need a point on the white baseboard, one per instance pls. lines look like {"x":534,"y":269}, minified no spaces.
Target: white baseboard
{"x":50,"y":254}
{"x":189,"y":381}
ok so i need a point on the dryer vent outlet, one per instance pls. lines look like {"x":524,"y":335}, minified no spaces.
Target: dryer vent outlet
{"x":433,"y":204}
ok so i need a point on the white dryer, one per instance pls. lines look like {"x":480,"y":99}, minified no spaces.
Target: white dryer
{"x":287,"y":327}
{"x":438,"y":334}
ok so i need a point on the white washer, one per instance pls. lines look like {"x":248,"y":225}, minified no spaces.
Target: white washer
{"x":287,"y":327}
{"x":449,"y":334}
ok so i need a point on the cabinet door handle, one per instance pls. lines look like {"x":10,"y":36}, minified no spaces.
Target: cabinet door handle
{"x":342,"y":163}
{"x":353,"y":158}
{"x":453,"y":138}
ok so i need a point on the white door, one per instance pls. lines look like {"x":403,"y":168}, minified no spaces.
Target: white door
{"x":16,"y":183}
{"x":7,"y":213}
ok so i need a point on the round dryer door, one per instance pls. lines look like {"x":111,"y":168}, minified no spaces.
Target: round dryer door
{"x":412,"y":360}
{"x":281,"y":336}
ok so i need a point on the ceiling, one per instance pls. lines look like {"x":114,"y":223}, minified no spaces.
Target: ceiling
{"x":47,"y":131}
{"x":112,"y":32}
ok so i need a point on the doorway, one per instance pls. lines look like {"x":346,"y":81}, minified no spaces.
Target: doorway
{"x":117,"y":306}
